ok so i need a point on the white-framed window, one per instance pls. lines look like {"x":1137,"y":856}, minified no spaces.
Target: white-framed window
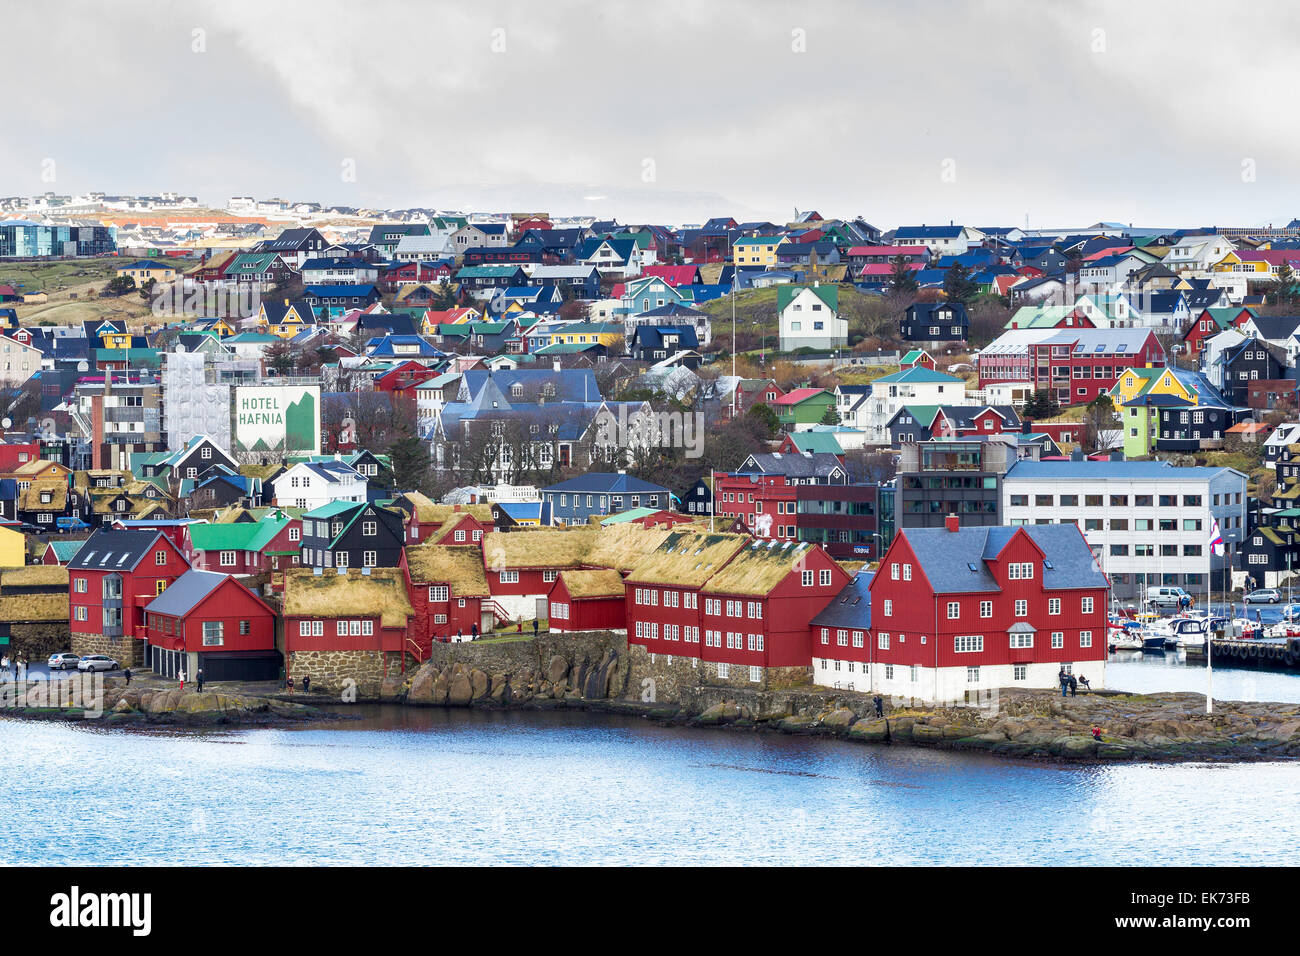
{"x":160,"y":558}
{"x":724,"y":671}
{"x":755,"y":674}
{"x":508,"y":577}
{"x":1054,"y":606}
{"x":907,"y":572}
{"x":227,"y":559}
{"x":549,"y":576}
{"x":304,"y":628}
{"x":367,"y":628}
{"x":824,"y":577}
{"x":1058,"y":640}
{"x":369,"y":559}
{"x":1020,"y":570}
{"x":826,"y":635}
{"x":317,"y":628}
{"x":1022,"y":608}
{"x":213,"y":633}
{"x":986,"y":608}
{"x":1020,"y":672}
{"x":893,"y":572}
{"x":295,"y":534}
{"x":972,"y":675}
{"x":1085,"y":638}
{"x":807,"y":579}
{"x":439,"y":593}
{"x":954,"y":610}
{"x":888,"y":607}
{"x":968,"y":644}
{"x":842,"y":638}
{"x":882,"y":640}
{"x":1085,"y":606}
{"x":1022,"y":640}
{"x":371,"y":528}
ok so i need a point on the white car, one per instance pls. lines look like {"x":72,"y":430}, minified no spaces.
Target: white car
{"x":62,"y":662}
{"x":97,"y":662}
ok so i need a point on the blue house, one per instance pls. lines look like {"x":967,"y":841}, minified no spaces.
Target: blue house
{"x":597,"y":493}
{"x":331,"y":301}
{"x":653,"y":343}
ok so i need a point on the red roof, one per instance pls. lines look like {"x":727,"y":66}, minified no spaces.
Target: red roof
{"x":885,"y":268}
{"x":1108,"y":251}
{"x":673,"y":275}
{"x":795,"y":396}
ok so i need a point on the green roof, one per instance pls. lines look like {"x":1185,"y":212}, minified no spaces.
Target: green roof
{"x":924,"y":414}
{"x":235,"y":536}
{"x":486,"y":272}
{"x":828,"y":292}
{"x":567,"y":348}
{"x":919,"y":375}
{"x":331,"y":509}
{"x":631,"y":515}
{"x":817,"y":442}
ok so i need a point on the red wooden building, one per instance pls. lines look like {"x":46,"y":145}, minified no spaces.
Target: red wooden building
{"x":523,"y":565}
{"x":209,"y":621}
{"x":588,"y":601}
{"x":394,"y":277}
{"x":403,"y":378}
{"x":1077,"y":365}
{"x":332,"y":620}
{"x":113,"y":577}
{"x":956,"y":610}
{"x":1210,"y":322}
{"x":449,"y":594}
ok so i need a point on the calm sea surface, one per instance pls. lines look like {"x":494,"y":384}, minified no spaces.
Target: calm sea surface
{"x":432,"y":786}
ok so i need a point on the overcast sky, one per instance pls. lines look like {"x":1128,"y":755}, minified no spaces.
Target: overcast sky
{"x":982,"y":112}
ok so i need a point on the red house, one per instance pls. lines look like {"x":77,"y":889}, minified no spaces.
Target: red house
{"x":970,"y":609}
{"x":353,"y":623}
{"x":449,"y":594}
{"x":1210,"y":323}
{"x":741,"y":605}
{"x":211,"y":621}
{"x":523,"y":565}
{"x":1077,"y":365}
{"x":16,"y":454}
{"x":402,"y":378}
{"x":588,"y":601}
{"x":394,"y":277}
{"x":111,"y":580}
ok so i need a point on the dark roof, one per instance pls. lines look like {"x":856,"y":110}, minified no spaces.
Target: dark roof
{"x":946,"y":557}
{"x":1276,"y":327}
{"x":851,"y":608}
{"x":817,"y":464}
{"x":601,"y":482}
{"x":185,"y":592}
{"x":111,"y":550}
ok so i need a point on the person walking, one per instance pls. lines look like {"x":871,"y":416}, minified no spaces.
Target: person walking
{"x":1062,"y":680}
{"x":1074,"y":686}
{"x":534,"y":627}
{"x":288,"y":683}
{"x":306,"y":683}
{"x":198,"y":678}
{"x":181,"y":676}
{"x":473,"y":631}
{"x":879,"y":705}
{"x":127,"y":674}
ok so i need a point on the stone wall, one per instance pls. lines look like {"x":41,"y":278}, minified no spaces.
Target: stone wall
{"x":35,"y":641}
{"x":331,"y":670}
{"x":128,"y":651}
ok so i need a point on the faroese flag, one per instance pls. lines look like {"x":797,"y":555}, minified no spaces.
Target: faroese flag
{"x":1216,"y":539}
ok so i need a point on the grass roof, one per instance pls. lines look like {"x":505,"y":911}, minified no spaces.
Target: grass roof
{"x":428,"y":511}
{"x":35,"y":575}
{"x":34,"y":607}
{"x":687,"y":558}
{"x":29,"y":499}
{"x":623,"y":545}
{"x":538,"y":547}
{"x":460,"y":567}
{"x":592,"y":584}
{"x":259,"y":471}
{"x":331,"y":595}
{"x":758,"y":568}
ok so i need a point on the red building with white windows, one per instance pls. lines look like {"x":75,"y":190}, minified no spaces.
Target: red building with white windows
{"x":114,"y":576}
{"x":739,"y":605}
{"x":1077,"y":365}
{"x":593,"y":600}
{"x":955,"y":610}
{"x":211,"y":621}
{"x":522,"y":566}
{"x":1210,"y":322}
{"x":449,"y":594}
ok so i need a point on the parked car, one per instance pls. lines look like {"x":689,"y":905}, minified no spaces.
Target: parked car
{"x":97,"y":662}
{"x":62,"y":662}
{"x":1167,"y":597}
{"x":1264,"y":596}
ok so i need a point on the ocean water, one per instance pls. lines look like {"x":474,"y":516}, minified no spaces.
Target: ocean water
{"x":431,"y":786}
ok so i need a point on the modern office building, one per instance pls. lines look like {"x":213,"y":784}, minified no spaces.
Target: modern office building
{"x":1147,"y":522}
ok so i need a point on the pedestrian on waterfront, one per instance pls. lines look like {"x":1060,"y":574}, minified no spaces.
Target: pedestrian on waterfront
{"x":306,"y":683}
{"x":1096,"y":733}
{"x":534,"y":627}
{"x":1084,"y":681}
{"x":1063,"y":680}
{"x":181,"y":676}
{"x":473,"y":631}
{"x":288,"y":684}
{"x":458,"y":635}
{"x":879,"y":705}
{"x":127,"y":674}
{"x":198,"y":677}
{"x":1074,"y":686}
{"x":519,"y":626}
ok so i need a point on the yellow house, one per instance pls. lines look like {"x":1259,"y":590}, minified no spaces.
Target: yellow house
{"x":142,"y":270}
{"x":609,"y":334}
{"x":115,"y":340}
{"x":459,"y":316}
{"x":1235,"y":263}
{"x":12,"y":548}
{"x":284,"y":318}
{"x":1150,"y":381}
{"x":759,"y":251}
{"x":38,"y":470}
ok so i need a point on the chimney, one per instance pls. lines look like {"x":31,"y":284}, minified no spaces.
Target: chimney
{"x":951,"y":522}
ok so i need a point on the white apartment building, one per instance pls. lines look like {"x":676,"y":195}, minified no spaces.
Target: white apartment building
{"x":1147,"y":522}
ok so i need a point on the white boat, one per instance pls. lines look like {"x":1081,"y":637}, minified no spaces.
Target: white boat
{"x":1182,"y":631}
{"x":1125,"y":638}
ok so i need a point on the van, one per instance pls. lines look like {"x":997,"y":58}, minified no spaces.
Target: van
{"x":1166,"y":597}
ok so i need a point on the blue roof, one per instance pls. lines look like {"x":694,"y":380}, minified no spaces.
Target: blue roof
{"x":954,"y":561}
{"x":183,"y":594}
{"x":339,"y":290}
{"x":604,"y":483}
{"x":521,"y":510}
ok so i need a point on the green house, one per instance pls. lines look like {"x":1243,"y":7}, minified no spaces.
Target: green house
{"x":803,"y":406}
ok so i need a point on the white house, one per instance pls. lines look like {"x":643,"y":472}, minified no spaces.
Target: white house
{"x":18,"y":362}
{"x":810,"y":317}
{"x":1197,"y":254}
{"x":1107,"y":273}
{"x":1147,"y":522}
{"x":914,"y":386}
{"x":312,"y":484}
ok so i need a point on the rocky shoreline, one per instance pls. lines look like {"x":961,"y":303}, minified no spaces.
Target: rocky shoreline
{"x":1024,"y":725}
{"x":143,"y":706}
